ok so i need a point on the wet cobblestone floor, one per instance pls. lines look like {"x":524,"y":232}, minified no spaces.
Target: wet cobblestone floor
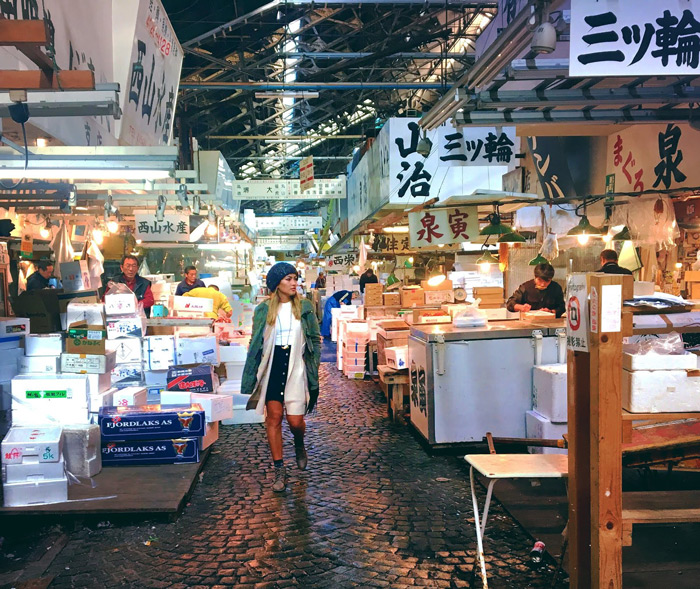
{"x":372,"y":510}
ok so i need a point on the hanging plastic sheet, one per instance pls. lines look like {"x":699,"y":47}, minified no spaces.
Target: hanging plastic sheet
{"x":652,"y":221}
{"x":95,"y":262}
{"x":62,"y":248}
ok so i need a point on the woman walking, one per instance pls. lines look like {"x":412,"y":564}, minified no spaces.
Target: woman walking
{"x":281,"y":370}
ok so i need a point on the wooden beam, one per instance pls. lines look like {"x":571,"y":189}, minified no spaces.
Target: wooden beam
{"x":22,"y":32}
{"x":42,"y":80}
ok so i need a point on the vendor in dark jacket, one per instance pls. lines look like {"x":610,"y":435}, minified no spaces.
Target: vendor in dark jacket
{"x":140,"y":286}
{"x":540,"y":294}
{"x":40,"y":278}
{"x":609,"y":265}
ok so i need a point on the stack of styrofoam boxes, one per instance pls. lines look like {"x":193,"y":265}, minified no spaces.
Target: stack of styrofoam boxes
{"x":33,"y":469}
{"x":158,"y":358}
{"x":232,"y":388}
{"x":547,"y":420}
{"x":125,"y":322}
{"x":12,"y":335}
{"x":233,"y":357}
{"x":659,"y":383}
{"x":354,"y":344}
{"x":396,"y":357}
{"x":191,"y":308}
{"x":342,"y":313}
{"x":42,"y":354}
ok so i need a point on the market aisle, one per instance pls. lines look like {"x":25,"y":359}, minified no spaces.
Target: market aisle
{"x":372,"y":510}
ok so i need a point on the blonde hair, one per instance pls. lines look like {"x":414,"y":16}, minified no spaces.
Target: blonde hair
{"x":274,"y":306}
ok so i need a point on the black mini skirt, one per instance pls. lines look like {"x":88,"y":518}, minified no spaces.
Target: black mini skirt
{"x":278,"y":374}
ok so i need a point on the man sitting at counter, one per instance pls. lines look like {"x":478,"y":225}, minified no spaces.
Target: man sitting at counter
{"x":609,"y":265}
{"x":540,"y":294}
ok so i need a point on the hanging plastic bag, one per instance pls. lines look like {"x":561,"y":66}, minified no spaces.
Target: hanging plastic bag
{"x":471,"y":316}
{"x":665,"y":344}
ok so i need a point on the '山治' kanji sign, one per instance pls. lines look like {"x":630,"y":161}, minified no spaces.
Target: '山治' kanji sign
{"x":173,"y":227}
{"x":432,"y":227}
{"x":613,"y":38}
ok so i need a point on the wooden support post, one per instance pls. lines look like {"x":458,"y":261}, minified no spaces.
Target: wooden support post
{"x":42,"y":80}
{"x":595,"y":440}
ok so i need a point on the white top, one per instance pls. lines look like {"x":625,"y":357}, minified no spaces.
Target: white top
{"x":286,"y":323}
{"x":514,"y":466}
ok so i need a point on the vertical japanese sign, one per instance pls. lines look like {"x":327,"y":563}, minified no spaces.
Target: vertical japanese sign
{"x":577,"y":313}
{"x":173,"y":227}
{"x":432,"y":227}
{"x":653,"y":156}
{"x":156,"y":61}
{"x":27,"y":245}
{"x":478,"y":146}
{"x":613,"y":38}
{"x":306,"y":173}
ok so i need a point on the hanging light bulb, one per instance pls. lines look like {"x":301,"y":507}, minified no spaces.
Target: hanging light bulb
{"x":112,"y":226}
{"x":45,"y":231}
{"x":485,"y":260}
{"x":583,"y":238}
{"x":212,"y":229}
{"x":98,"y":235}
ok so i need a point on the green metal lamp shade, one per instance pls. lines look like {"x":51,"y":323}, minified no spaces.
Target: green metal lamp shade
{"x":584,"y":227}
{"x":487,"y":258}
{"x":538,"y":259}
{"x":495,"y":227}
{"x":624,"y":235}
{"x":512,"y":237}
{"x":391,"y":279}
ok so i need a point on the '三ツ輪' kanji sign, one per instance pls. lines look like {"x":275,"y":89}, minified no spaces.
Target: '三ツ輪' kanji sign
{"x":173,"y":227}
{"x":613,"y":38}
{"x":432,"y":227}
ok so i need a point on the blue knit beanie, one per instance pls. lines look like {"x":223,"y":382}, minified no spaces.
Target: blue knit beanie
{"x":277,"y":273}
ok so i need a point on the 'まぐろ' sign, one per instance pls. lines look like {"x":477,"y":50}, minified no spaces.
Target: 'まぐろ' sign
{"x":432,"y":227}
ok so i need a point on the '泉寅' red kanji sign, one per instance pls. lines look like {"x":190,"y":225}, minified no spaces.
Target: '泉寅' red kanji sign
{"x":433,"y":227}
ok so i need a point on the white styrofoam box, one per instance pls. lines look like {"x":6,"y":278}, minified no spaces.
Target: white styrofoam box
{"x":234,"y":370}
{"x":35,"y":492}
{"x":90,"y":313}
{"x":120,"y":304}
{"x":156,"y":378}
{"x":216,"y":407}
{"x":197,"y":350}
{"x":211,"y":434}
{"x":13,"y":326}
{"x":158,"y":352}
{"x":103,"y":399}
{"x":88,"y":363}
{"x":127,"y":349}
{"x":659,"y":391}
{"x":397,"y":357}
{"x":539,"y":427}
{"x":130,"y":397}
{"x":34,"y":444}
{"x":9,"y":360}
{"x":6,"y":395}
{"x":549,"y":392}
{"x":175,"y":397}
{"x":240,"y":414}
{"x":153,"y":396}
{"x":81,"y":450}
{"x":232,"y":353}
{"x":659,"y":361}
{"x":123,"y":327}
{"x":44,"y":344}
{"x":33,"y":471}
{"x":75,"y":276}
{"x":191,"y":304}
{"x":127,"y":374}
{"x":644,"y":289}
{"x":99,"y":383}
{"x":54,"y":399}
{"x":39,"y":364}
{"x":229,"y":387}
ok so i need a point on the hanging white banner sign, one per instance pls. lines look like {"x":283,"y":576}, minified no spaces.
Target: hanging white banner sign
{"x":613,"y":38}
{"x":306,"y":173}
{"x":173,"y":227}
{"x":285,"y":189}
{"x":432,"y":227}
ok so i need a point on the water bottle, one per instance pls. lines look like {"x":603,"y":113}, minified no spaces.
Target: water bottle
{"x":537,"y":553}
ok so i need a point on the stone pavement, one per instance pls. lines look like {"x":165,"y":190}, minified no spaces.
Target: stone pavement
{"x":372,"y":510}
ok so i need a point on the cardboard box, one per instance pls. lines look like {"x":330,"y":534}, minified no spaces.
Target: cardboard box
{"x":175,"y":397}
{"x":162,"y":451}
{"x":423,"y":317}
{"x":397,"y":357}
{"x":33,"y":471}
{"x":438,"y":297}
{"x":32,"y":444}
{"x":82,"y":450}
{"x":88,"y":363}
{"x":53,"y":399}
{"x":120,"y":304}
{"x":35,"y":492}
{"x":195,"y":379}
{"x":190,"y":306}
{"x":124,"y":375}
{"x":392,"y":299}
{"x":88,"y":297}
{"x":158,"y":352}
{"x":216,"y":407}
{"x":121,"y":327}
{"x":75,"y":276}
{"x":98,"y":383}
{"x":41,"y":307}
{"x":103,"y":399}
{"x":127,"y":350}
{"x":480,"y":292}
{"x":14,"y":327}
{"x":374,"y":295}
{"x":444,"y":285}
{"x":129,"y":397}
{"x":211,"y":434}
{"x":46,"y":344}
{"x":197,"y":350}
{"x":151,"y":422}
{"x":86,"y":339}
{"x":549,"y":397}
{"x":85,"y":313}
{"x":39,"y":364}
{"x":412,"y":297}
{"x":692,"y":276}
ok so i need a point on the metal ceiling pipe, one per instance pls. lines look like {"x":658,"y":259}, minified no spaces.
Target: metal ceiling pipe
{"x":621,"y":116}
{"x":311,"y":86}
{"x":360,"y":55}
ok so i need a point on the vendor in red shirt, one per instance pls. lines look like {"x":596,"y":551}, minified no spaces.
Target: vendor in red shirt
{"x":137,"y":284}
